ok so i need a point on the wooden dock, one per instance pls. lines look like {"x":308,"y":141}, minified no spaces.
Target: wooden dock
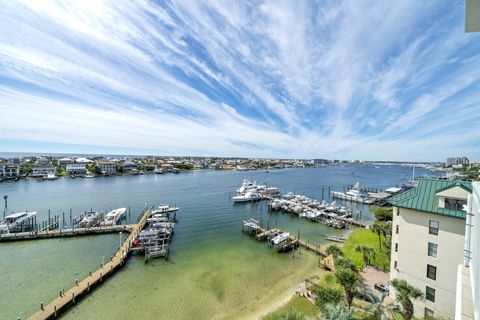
{"x":81,"y":288}
{"x":63,"y":233}
{"x":304,"y":244}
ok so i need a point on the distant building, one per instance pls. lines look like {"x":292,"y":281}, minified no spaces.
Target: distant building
{"x":428,"y":242}
{"x":129,"y":166}
{"x":76,"y":168}
{"x":43,"y":167}
{"x":9,"y":170}
{"x":65,"y":161}
{"x":107,"y":166}
{"x":457,"y":161}
{"x":83,"y":160}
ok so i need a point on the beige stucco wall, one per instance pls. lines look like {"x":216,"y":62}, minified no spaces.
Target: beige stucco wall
{"x":412,"y":257}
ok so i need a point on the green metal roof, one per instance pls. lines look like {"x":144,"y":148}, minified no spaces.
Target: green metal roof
{"x":423,"y":197}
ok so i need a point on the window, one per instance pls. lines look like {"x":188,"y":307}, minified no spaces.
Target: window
{"x":396,"y":247}
{"x":428,"y":314}
{"x":432,"y":249}
{"x":431,"y":272}
{"x":433,"y":227}
{"x":455,"y":204}
{"x":430,"y":294}
{"x":396,"y":228}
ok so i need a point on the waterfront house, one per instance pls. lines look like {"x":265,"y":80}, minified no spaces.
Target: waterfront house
{"x":428,"y":235}
{"x":65,"y":161}
{"x":107,"y":167}
{"x":167,"y":167}
{"x":42,"y":168}
{"x":76,"y":168}
{"x":83,"y":160}
{"x":129,"y":166}
{"x":9,"y":170}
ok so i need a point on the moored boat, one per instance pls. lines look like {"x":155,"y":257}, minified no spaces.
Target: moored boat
{"x":113,"y":217}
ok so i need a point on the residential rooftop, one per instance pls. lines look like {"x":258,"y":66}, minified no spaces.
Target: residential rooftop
{"x":424,"y":197}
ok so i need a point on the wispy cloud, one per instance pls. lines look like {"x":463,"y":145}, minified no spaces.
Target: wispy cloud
{"x":336,"y":79}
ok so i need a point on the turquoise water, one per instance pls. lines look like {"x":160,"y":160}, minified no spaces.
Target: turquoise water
{"x":214,"y":271}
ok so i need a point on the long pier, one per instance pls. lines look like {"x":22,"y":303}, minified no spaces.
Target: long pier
{"x":63,"y":233}
{"x":66,"y":299}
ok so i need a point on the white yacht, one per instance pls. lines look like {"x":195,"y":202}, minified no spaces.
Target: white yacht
{"x":251,"y":225}
{"x":50,"y":176}
{"x":164,"y":208}
{"x":113,"y":217}
{"x":280,"y":238}
{"x":14,"y":220}
{"x":246,"y":185}
{"x":353,"y":195}
{"x":250,"y":195}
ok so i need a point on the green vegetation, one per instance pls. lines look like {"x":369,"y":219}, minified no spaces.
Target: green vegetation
{"x":327,"y":295}
{"x":61,"y":171}
{"x":296,"y":308}
{"x":366,"y":238}
{"x":349,"y":280}
{"x":339,"y":311}
{"x":185,"y":166}
{"x":27,"y":167}
{"x":334,"y":250}
{"x":405,"y":293}
{"x":367,"y":253}
{"x":382,"y":214}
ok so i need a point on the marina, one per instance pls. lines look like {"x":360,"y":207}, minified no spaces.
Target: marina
{"x":195,"y":251}
{"x":55,"y":307}
{"x":278,"y":239}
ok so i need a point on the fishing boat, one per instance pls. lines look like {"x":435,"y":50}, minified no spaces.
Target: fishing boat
{"x":113,"y":217}
{"x":250,"y":195}
{"x":88,"y":220}
{"x":13,"y":221}
{"x":246,"y":185}
{"x":280,"y":238}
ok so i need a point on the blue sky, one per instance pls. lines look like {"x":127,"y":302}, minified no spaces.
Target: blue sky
{"x":387,"y":80}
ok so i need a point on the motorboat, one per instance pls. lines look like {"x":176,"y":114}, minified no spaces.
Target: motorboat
{"x":353,"y":195}
{"x":246,"y":185}
{"x":50,"y":176}
{"x":88,"y":220}
{"x":280,"y":238}
{"x":251,"y":225}
{"x":250,"y":195}
{"x":13,"y":221}
{"x":164,"y":208}
{"x":113,"y":217}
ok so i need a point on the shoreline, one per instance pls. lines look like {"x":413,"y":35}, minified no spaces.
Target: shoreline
{"x":280,"y":302}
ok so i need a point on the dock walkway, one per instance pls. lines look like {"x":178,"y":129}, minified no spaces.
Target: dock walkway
{"x":305,"y":244}
{"x":65,"y":299}
{"x":62,"y":233}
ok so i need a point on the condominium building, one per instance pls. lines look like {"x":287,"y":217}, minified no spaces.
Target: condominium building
{"x":107,"y":166}
{"x":468,"y":273}
{"x":9,"y":170}
{"x":428,"y":242}
{"x":43,"y":167}
{"x":76,"y":168}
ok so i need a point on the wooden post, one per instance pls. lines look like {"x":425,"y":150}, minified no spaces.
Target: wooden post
{"x":41,"y":306}
{"x":55,"y":311}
